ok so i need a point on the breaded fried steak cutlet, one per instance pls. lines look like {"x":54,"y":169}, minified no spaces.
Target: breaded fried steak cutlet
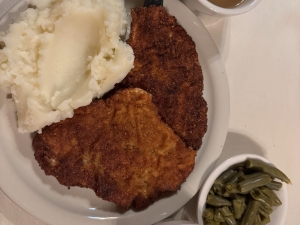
{"x":119,"y":147}
{"x":166,"y":65}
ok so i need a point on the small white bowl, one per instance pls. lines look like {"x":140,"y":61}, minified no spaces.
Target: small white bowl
{"x":279,"y":213}
{"x":204,"y":6}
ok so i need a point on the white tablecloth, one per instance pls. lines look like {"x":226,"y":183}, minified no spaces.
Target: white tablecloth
{"x":261,"y":53}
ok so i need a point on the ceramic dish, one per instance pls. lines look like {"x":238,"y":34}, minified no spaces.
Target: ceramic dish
{"x":204,"y":6}
{"x":42,"y":196}
{"x":279,"y":213}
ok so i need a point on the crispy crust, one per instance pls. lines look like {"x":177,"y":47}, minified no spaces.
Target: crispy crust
{"x":166,"y":65}
{"x":119,"y":147}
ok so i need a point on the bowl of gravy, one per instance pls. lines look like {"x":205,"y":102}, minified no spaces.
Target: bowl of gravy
{"x":221,"y":8}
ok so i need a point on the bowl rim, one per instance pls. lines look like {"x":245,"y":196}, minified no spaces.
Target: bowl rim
{"x":242,"y":8}
{"x":204,"y":190}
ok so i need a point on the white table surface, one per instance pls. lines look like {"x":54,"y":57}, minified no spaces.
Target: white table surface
{"x":261,"y":53}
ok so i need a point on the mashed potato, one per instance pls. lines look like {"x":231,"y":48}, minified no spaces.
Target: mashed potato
{"x":61,"y":55}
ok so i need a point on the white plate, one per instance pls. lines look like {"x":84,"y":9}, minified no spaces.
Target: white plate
{"x":42,"y":196}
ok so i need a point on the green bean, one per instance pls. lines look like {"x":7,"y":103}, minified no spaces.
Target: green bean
{"x":238,"y":209}
{"x":217,"y":201}
{"x":208,"y":213}
{"x":271,"y":195}
{"x":239,"y":166}
{"x":254,"y":182}
{"x":266,"y":209}
{"x":240,"y":198}
{"x":257,"y":195}
{"x":226,"y":194}
{"x":266,"y":168}
{"x":230,"y":220}
{"x":251,"y":212}
{"x":274,"y":185}
{"x":246,"y":171}
{"x":220,"y":192}
{"x":218,"y":215}
{"x":250,"y":176}
{"x":223,"y":178}
{"x":265,"y":220}
{"x":232,"y":188}
{"x":211,"y":222}
{"x":236,"y":177}
{"x":245,"y":207}
{"x":226,"y":211}
{"x":262,"y":212}
{"x":244,"y":195}
{"x":257,"y":220}
{"x":228,"y":216}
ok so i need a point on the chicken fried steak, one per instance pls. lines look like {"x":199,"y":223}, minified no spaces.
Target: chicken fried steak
{"x":166,"y":65}
{"x":119,"y":147}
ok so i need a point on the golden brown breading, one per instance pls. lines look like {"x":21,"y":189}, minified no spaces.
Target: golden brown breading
{"x":166,"y":65}
{"x":119,"y":147}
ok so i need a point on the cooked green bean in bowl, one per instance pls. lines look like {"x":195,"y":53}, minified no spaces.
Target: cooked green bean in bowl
{"x":246,"y":189}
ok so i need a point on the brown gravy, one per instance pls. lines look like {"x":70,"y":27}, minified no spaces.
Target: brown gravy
{"x":226,"y":3}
